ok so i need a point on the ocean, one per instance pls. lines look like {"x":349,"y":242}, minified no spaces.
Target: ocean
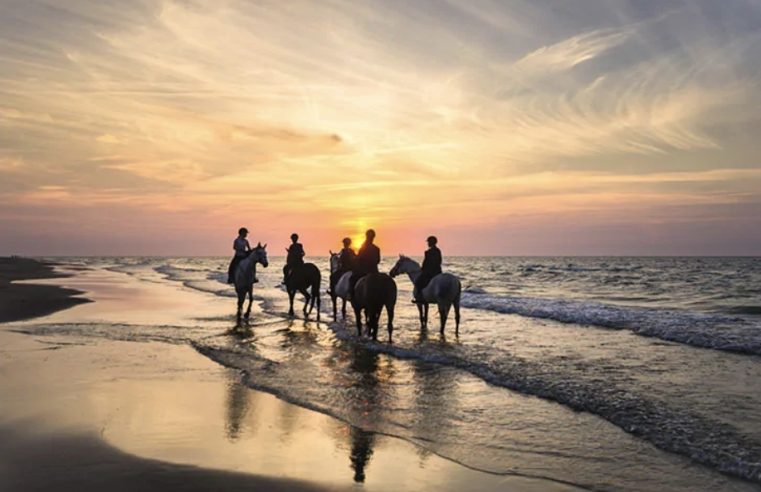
{"x":607,"y":373}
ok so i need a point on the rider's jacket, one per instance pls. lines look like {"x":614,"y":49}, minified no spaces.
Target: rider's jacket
{"x":368,"y":259}
{"x":295,"y":255}
{"x":346,"y":260}
{"x":432,"y":262}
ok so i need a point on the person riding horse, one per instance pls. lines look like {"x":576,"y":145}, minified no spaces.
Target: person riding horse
{"x":241,"y":247}
{"x":367,"y":261}
{"x":295,"y":257}
{"x":346,"y":260}
{"x":431,"y":267}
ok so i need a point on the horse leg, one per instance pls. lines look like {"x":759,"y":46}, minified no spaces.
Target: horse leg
{"x":307,"y":298}
{"x":250,"y":301}
{"x":316,"y":296}
{"x":390,"y":313}
{"x":358,"y":318}
{"x":422,"y":318}
{"x":456,"y":317}
{"x":425,"y":318}
{"x":291,"y":294}
{"x":343,"y":308}
{"x":240,"y":306}
{"x":374,"y":320}
{"x":443,"y":313}
{"x":335,"y":307}
{"x":315,"y":293}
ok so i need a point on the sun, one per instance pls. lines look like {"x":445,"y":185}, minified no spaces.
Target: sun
{"x":359,"y":237}
{"x":357,"y":240}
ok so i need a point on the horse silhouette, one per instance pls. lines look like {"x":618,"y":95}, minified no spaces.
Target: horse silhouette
{"x":372,"y":293}
{"x":342,"y":288}
{"x":443,"y":290}
{"x":301,"y":278}
{"x":245,"y":274}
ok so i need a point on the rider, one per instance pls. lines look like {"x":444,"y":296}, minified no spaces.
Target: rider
{"x":346,"y":261}
{"x":368,"y":260}
{"x":241,"y":247}
{"x":431,"y":268}
{"x":295,"y":256}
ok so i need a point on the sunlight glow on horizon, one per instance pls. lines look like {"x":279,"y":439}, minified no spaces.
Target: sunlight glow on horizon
{"x":609,"y":127}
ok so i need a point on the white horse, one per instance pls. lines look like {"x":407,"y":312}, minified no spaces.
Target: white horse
{"x":341,"y":289}
{"x":443,"y":290}
{"x":245,"y":274}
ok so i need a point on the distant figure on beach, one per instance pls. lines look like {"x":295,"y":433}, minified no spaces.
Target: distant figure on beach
{"x":295,"y":256}
{"x":346,"y":260}
{"x":241,"y":247}
{"x":431,"y":267}
{"x":367,"y":261}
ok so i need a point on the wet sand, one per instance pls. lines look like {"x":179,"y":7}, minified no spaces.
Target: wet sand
{"x":82,"y":413}
{"x":22,"y":300}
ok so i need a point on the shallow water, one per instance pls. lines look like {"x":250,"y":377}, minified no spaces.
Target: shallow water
{"x":550,"y":376}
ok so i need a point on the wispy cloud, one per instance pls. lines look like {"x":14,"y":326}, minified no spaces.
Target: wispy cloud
{"x":462,"y":113}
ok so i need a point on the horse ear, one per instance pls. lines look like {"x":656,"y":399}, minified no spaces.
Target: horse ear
{"x":401,"y":256}
{"x":259,"y":244}
{"x":265,"y":246}
{"x":331,"y":252}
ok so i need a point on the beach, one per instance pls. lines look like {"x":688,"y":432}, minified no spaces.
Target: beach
{"x":20,"y":301}
{"x":151,"y":413}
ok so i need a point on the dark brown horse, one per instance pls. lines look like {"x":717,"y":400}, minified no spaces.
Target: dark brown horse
{"x":372,"y":293}
{"x":303,"y":277}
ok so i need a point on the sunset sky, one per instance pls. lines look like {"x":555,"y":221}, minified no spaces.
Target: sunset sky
{"x":504,"y":127}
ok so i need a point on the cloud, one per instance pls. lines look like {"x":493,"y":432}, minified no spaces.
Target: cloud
{"x":319,"y":113}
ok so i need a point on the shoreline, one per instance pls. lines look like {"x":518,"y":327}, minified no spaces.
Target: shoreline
{"x":22,"y":301}
{"x":89,"y":414}
{"x":80,"y":460}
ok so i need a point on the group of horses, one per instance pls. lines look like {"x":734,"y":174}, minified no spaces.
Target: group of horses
{"x":372,"y":292}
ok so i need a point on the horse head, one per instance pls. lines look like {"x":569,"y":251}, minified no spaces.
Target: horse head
{"x":404,"y":265}
{"x":260,"y":254}
{"x":334,"y":260}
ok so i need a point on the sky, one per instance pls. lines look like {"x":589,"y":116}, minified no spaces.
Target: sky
{"x":521,"y":127}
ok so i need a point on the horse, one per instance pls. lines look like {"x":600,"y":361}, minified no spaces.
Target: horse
{"x":371,"y":293}
{"x":245,"y":273}
{"x":444,"y":290}
{"x":303,"y":277}
{"x":341,"y":289}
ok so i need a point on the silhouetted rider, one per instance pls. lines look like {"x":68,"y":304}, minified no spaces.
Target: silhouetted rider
{"x":346,"y":261}
{"x":295,"y":256}
{"x":241,"y":247}
{"x":368,"y":259}
{"x":431,"y":267}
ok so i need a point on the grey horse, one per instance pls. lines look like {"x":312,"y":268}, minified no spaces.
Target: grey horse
{"x":443,"y":290}
{"x":341,"y":289}
{"x":245,"y":274}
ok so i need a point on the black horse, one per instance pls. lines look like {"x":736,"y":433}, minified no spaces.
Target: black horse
{"x":372,"y":293}
{"x":301,"y":278}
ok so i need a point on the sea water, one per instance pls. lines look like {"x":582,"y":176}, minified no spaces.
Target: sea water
{"x":607,"y":373}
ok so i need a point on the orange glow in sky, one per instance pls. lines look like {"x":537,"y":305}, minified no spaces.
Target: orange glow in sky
{"x":503,"y":128}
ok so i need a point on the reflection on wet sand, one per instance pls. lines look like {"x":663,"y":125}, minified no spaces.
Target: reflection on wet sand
{"x":238,"y":403}
{"x":366,"y":406}
{"x":361,"y":451}
{"x":435,"y":391}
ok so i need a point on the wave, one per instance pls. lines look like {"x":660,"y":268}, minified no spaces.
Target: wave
{"x":749,"y":309}
{"x":669,"y":428}
{"x":203,"y":280}
{"x":672,"y":429}
{"x":719,"y":332}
